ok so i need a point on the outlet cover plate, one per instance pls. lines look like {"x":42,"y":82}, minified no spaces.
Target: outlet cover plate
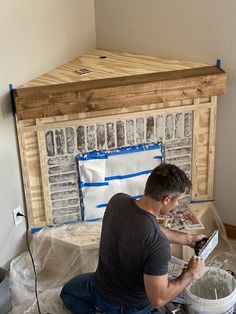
{"x":17,"y":219}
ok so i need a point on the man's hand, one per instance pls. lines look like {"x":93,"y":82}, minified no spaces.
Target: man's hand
{"x":179,"y":237}
{"x":196,"y":267}
{"x":195,"y":238}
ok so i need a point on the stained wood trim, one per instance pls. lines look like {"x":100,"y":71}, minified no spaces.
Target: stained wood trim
{"x":104,"y":116}
{"x":195,"y":151}
{"x":119,"y":81}
{"x":230,"y":230}
{"x":25,"y":174}
{"x":211,"y":147}
{"x":44,"y":172}
{"x":106,"y":94}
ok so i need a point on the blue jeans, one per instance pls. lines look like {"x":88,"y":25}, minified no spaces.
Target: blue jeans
{"x":79,"y":297}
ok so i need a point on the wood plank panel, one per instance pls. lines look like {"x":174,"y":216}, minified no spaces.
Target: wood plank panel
{"x":44,"y":176}
{"x":203,"y":151}
{"x":29,"y":153}
{"x":100,"y":64}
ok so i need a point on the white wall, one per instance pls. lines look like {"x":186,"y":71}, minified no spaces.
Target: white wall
{"x":35,"y":37}
{"x":203,"y":31}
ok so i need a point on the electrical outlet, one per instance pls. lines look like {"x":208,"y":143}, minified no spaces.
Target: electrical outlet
{"x":17,"y":219}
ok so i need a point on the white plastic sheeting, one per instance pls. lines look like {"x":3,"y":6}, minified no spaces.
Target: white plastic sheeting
{"x":103,"y":174}
{"x":59,"y":253}
{"x":63,"y":252}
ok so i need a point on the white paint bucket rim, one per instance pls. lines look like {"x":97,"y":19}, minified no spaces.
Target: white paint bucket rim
{"x":213,"y":302}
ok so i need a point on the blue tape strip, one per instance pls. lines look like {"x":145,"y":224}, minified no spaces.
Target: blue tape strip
{"x":203,"y":201}
{"x":119,"y":151}
{"x":126,"y":176}
{"x":34,"y":230}
{"x":134,"y":197}
{"x":93,"y":155}
{"x":91,"y":220}
{"x":13,"y":105}
{"x":101,"y":205}
{"x":137,"y":196}
{"x":134,"y":149}
{"x":218,"y":63}
{"x":158,"y":157}
{"x":93,"y":184}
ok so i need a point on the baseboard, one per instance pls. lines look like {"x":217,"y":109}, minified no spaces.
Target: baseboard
{"x":230,"y":230}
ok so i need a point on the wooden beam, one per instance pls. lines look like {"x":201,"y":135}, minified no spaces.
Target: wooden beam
{"x":119,"y":92}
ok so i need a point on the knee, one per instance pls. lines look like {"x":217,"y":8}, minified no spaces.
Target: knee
{"x":63,"y":293}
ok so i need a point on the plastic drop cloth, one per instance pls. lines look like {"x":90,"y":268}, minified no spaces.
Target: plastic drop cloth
{"x":63,"y":252}
{"x":59,"y":253}
{"x":224,"y":255}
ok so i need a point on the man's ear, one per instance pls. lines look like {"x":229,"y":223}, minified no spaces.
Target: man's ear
{"x":166,"y":199}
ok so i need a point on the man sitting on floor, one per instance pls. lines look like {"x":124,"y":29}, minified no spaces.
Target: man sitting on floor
{"x":132,"y":272}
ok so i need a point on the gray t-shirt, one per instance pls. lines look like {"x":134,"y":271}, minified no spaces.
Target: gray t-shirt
{"x":132,"y":245}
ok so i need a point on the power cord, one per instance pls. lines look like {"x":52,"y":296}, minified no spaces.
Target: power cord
{"x":33,"y":264}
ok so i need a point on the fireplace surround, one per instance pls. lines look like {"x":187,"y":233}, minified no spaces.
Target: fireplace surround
{"x":121,"y":99}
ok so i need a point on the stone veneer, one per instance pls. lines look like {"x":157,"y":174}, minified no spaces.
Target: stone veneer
{"x":62,"y":145}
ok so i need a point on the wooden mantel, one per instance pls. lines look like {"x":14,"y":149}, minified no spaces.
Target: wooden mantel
{"x":103,"y":80}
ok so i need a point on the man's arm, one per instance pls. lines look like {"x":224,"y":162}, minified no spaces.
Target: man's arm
{"x":160,"y":290}
{"x":177,"y":237}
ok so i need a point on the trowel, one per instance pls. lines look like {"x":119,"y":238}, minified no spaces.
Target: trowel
{"x":204,"y":247}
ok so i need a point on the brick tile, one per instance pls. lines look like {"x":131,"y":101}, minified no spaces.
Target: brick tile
{"x":81,"y":139}
{"x":150,"y":136}
{"x":60,"y":141}
{"x":91,"y":141}
{"x":130,"y":132}
{"x":120,"y":133}
{"x":140,"y":133}
{"x":70,"y":140}
{"x":110,"y":135}
{"x":160,"y":130}
{"x":100,"y":133}
{"x":179,"y":125}
{"x":188,"y":124}
{"x":169,"y":127}
{"x":62,"y":168}
{"x":50,"y":146}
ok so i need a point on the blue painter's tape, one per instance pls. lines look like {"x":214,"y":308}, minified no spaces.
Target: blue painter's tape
{"x":93,"y":184}
{"x":158,"y":157}
{"x":218,"y":63}
{"x":137,"y":196}
{"x":13,"y":105}
{"x":37,"y":229}
{"x":134,"y":149}
{"x":91,"y":220}
{"x":101,"y":206}
{"x":119,"y":151}
{"x":93,"y":155}
{"x":34,"y":230}
{"x":202,"y":201}
{"x":126,"y":176}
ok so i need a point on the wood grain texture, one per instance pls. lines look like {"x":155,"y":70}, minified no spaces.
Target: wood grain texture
{"x":119,"y":80}
{"x":49,"y":101}
{"x":203,"y":151}
{"x":108,"y":64}
{"x":30,"y":161}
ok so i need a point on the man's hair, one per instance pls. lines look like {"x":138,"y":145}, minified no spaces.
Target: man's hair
{"x":166,"y":179}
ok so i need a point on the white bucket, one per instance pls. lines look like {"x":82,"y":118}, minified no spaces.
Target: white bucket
{"x":214,"y":292}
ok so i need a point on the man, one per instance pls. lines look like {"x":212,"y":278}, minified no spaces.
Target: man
{"x":131,"y":277}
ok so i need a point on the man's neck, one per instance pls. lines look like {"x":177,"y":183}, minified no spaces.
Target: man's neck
{"x":150,"y":205}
